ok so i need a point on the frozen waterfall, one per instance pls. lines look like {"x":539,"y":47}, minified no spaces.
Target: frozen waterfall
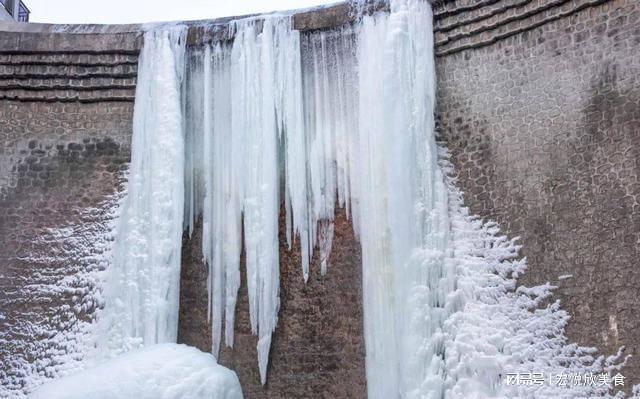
{"x":142,"y":286}
{"x":404,"y":221}
{"x":315,"y":121}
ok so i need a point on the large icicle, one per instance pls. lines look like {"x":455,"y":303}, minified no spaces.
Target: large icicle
{"x":256,"y":108}
{"x":330,"y":98}
{"x":193,"y":101}
{"x":223,"y":170}
{"x":252,"y":95}
{"x":403,"y":205}
{"x":142,"y":284}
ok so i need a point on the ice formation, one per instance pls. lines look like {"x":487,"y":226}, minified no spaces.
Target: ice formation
{"x":142,"y":285}
{"x":403,"y":207}
{"x":252,"y":145}
{"x":242,"y":96}
{"x":442,"y":315}
{"x":314,"y":121}
{"x":335,"y":119}
{"x":345,"y":118}
{"x":168,"y":371}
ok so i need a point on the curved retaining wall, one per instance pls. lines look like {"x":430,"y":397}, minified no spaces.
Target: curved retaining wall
{"x":539,"y":104}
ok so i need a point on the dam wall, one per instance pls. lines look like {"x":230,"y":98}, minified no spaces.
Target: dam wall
{"x":538,"y":103}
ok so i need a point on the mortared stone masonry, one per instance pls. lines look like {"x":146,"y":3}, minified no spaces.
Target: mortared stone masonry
{"x":538,"y":103}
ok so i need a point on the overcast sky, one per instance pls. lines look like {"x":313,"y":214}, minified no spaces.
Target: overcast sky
{"x":132,"y":11}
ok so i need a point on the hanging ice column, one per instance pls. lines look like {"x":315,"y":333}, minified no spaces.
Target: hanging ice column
{"x":330,"y":146}
{"x":404,"y":224}
{"x":142,"y":284}
{"x":252,"y":95}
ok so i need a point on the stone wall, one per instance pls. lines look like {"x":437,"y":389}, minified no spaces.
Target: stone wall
{"x":65,"y":128}
{"x":318,"y":346}
{"x":538,"y":102}
{"x":542,"y":118}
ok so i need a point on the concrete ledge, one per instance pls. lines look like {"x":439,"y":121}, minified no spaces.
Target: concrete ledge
{"x":34,"y":43}
{"x":502,"y":26}
{"x":127,"y":39}
{"x":98,"y":63}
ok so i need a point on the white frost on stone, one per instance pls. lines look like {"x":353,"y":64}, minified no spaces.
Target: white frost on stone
{"x":494,"y":327}
{"x":67,"y":275}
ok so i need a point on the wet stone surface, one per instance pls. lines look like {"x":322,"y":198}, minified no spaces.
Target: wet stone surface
{"x":543,"y":128}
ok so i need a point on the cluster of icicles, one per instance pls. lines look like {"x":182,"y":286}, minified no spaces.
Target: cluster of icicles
{"x":315,"y":121}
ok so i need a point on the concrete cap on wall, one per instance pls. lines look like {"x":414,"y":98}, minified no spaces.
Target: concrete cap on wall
{"x":127,"y":38}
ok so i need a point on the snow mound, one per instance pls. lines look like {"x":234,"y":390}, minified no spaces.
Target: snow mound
{"x":164,"y":371}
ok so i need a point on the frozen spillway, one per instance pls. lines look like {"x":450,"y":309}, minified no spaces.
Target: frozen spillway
{"x":167,"y":371}
{"x":142,"y":284}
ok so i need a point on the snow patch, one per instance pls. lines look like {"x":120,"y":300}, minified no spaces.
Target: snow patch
{"x":167,"y":371}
